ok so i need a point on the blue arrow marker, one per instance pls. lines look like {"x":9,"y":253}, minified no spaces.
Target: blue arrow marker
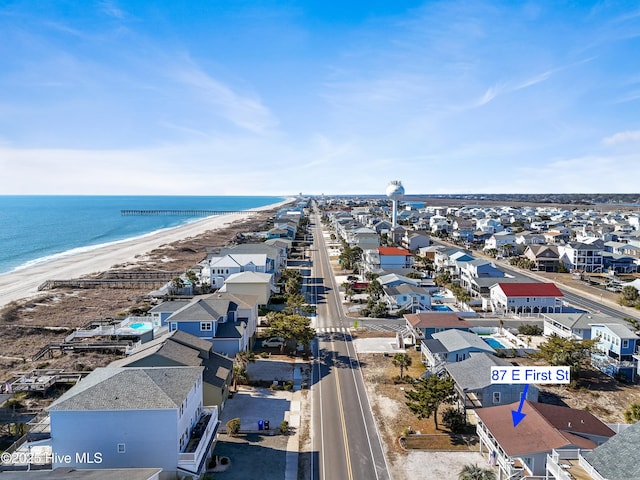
{"x":518,"y":416}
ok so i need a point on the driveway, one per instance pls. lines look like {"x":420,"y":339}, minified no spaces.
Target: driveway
{"x":252,"y":454}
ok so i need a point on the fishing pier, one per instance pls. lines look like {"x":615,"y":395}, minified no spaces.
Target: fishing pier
{"x":182,"y":213}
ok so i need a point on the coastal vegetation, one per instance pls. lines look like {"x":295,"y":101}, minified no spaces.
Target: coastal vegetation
{"x":570,"y":352}
{"x":429,"y":394}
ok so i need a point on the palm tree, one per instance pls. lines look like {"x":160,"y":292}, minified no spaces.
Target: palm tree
{"x":474,"y":472}
{"x":242,"y":359}
{"x":402,"y":361}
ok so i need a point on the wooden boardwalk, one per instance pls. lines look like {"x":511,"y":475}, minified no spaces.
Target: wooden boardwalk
{"x":104,"y":283}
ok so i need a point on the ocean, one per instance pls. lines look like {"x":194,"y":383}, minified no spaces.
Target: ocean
{"x":35,"y":229}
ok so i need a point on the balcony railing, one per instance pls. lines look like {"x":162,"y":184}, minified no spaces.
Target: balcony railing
{"x":202,"y":436}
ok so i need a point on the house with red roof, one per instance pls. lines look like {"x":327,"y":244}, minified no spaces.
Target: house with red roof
{"x":525,"y":297}
{"x":385,"y":258}
{"x":522,"y":450}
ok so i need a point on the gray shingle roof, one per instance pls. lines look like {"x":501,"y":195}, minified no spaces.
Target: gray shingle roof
{"x":404,"y":289}
{"x":617,"y":458}
{"x":454,"y":340}
{"x":230,"y":330}
{"x":130,"y":388}
{"x":217,"y":368}
{"x":472,"y":373}
{"x":201,"y":310}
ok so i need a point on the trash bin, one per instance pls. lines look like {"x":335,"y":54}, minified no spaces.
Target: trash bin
{"x":266,"y":424}
{"x":260,"y":424}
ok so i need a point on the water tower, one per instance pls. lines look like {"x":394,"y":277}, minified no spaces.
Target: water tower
{"x":395,"y":191}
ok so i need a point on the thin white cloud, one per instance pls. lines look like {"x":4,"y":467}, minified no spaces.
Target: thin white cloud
{"x":622,"y":137}
{"x":244,"y":111}
{"x":111,"y":9}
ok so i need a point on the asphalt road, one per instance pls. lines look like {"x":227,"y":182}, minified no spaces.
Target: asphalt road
{"x":346,"y":443}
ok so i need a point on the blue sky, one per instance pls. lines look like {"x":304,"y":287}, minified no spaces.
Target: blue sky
{"x":216,"y":97}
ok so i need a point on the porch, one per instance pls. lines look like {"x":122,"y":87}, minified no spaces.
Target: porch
{"x":201,"y":443}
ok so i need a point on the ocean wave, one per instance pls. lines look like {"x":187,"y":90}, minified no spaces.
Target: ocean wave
{"x":89,"y":248}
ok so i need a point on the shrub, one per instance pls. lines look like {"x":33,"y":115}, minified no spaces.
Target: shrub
{"x":233,"y":426}
{"x":526,"y":329}
{"x":284,"y":427}
{"x":454,"y":419}
{"x":10,"y":312}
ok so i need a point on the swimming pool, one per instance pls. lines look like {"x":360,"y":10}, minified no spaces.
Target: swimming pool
{"x":140,"y":326}
{"x":441,"y":308}
{"x":493,"y":343}
{"x":437,"y":295}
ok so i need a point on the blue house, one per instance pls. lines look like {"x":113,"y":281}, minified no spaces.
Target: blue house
{"x":450,"y":346}
{"x":228,"y":321}
{"x":477,"y":391}
{"x":616,"y":347}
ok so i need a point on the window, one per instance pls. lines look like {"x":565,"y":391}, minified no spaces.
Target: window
{"x":625,"y":343}
{"x":121,"y":447}
{"x":206,"y":326}
{"x":496,"y":397}
{"x":173,"y":326}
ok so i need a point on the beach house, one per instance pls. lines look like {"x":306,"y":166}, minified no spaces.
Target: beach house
{"x":146,"y":417}
{"x":180,"y":349}
{"x":477,"y":391}
{"x":525,"y":297}
{"x":522,"y":451}
{"x":615,"y":349}
{"x":228,"y":321}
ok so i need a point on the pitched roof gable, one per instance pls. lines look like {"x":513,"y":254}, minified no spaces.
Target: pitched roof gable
{"x":530,"y":289}
{"x":544,"y":427}
{"x":130,"y":388}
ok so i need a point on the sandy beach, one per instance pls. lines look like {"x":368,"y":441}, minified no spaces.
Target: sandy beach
{"x":24,"y":283}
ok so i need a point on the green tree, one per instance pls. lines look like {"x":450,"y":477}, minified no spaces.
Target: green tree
{"x":241,"y":360}
{"x":428,"y":394}
{"x":350,"y":257}
{"x":632,"y":414}
{"x":443,"y":278}
{"x":454,"y":419}
{"x":474,"y":472}
{"x":176,"y":284}
{"x":292,"y":281}
{"x":295,"y":304}
{"x":492,"y":252}
{"x":192,"y":277}
{"x":291,"y":327}
{"x":374,"y":289}
{"x":629,"y":296}
{"x":402,"y":360}
{"x":348,"y":291}
{"x":370,"y":276}
{"x":560,"y":351}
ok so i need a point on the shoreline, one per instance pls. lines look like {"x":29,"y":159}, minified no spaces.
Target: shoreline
{"x":23,"y":283}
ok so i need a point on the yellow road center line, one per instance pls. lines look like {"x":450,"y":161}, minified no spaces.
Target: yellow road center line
{"x":342,"y":421}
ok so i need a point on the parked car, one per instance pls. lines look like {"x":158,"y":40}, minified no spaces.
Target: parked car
{"x":273,"y":342}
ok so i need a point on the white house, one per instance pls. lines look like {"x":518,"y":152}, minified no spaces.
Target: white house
{"x":135,"y":418}
{"x":407,"y":297}
{"x":525,"y":298}
{"x":581,"y":256}
{"x":220,"y":268}
{"x":251,"y":283}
